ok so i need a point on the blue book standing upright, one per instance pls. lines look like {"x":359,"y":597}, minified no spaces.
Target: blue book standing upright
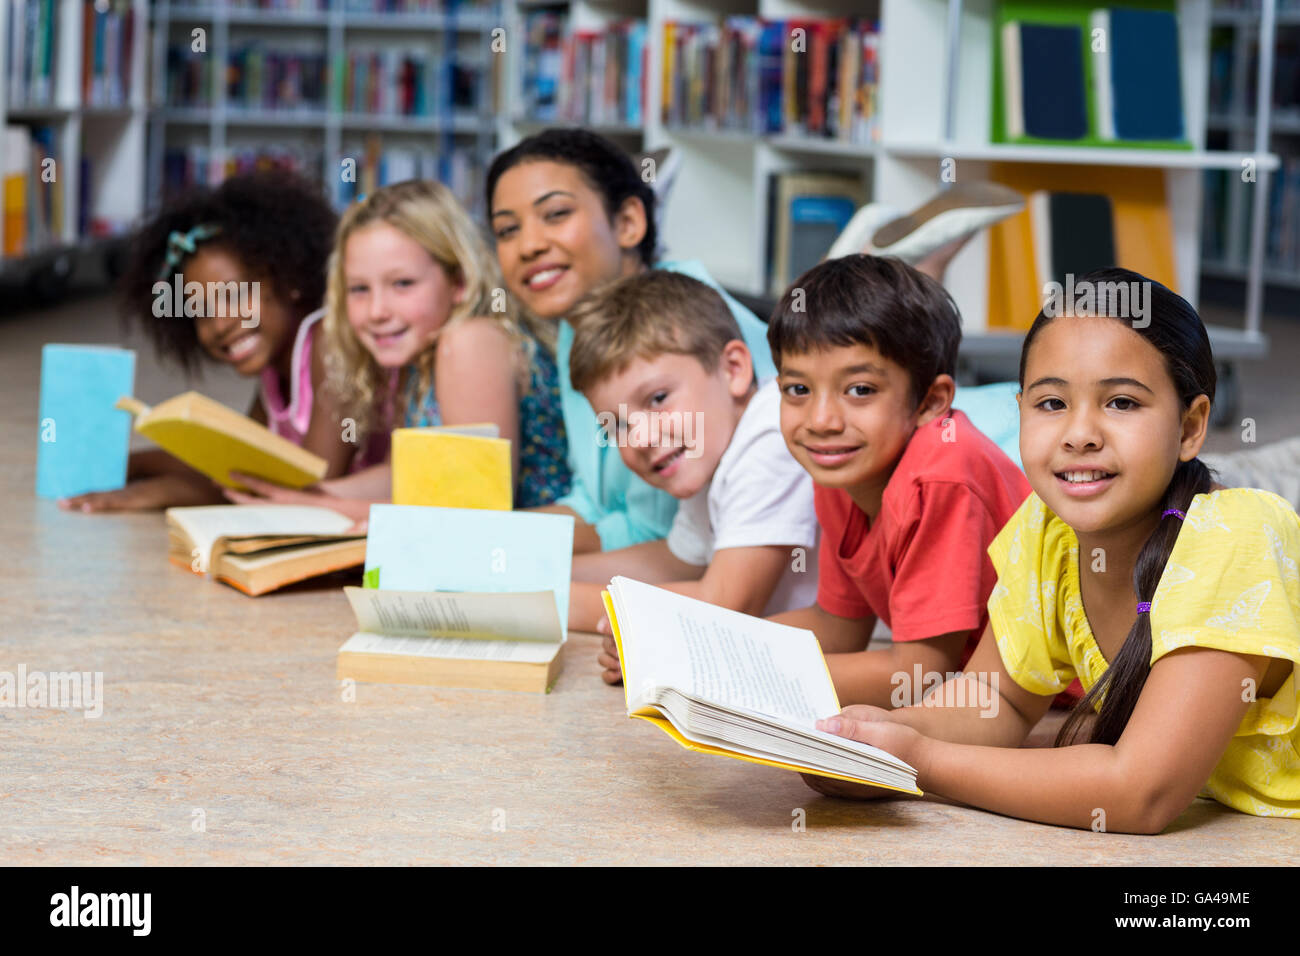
{"x":1043,"y":71}
{"x":82,"y":438}
{"x":1145,"y":78}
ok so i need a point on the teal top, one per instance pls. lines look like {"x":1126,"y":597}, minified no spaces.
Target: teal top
{"x":605,"y":493}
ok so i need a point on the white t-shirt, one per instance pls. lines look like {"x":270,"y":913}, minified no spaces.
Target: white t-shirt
{"x":759,"y":496}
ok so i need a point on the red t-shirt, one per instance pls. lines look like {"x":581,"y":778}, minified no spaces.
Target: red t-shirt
{"x":923,"y":566}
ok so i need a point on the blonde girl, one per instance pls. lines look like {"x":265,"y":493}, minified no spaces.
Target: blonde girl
{"x":419,"y":331}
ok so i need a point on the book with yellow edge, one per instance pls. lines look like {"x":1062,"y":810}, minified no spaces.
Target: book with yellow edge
{"x":758,"y":700}
{"x":452,"y":466}
{"x":216,"y":440}
{"x":261,"y":548}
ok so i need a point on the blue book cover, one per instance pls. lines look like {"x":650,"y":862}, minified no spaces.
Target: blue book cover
{"x":82,"y":439}
{"x":1146,"y":81}
{"x":419,"y":548}
{"x":636,"y":36}
{"x":1051,"y":81}
{"x":770,"y":52}
{"x":815,"y":222}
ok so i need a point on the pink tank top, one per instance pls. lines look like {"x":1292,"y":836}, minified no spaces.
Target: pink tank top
{"x":291,"y":419}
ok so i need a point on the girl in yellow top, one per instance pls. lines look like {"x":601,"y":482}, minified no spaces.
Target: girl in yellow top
{"x":1174,"y":600}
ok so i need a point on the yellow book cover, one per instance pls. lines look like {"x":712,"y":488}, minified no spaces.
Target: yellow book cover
{"x":216,"y":440}
{"x":1144,"y":234}
{"x":452,"y":467}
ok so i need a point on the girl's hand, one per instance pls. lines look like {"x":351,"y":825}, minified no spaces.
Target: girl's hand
{"x":147,"y":494}
{"x":266,"y":492}
{"x":879,"y":728}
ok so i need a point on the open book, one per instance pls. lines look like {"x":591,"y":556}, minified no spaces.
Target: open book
{"x":459,"y":597}
{"x":454,"y":639}
{"x":216,"y":440}
{"x":721,"y":682}
{"x":259,"y":548}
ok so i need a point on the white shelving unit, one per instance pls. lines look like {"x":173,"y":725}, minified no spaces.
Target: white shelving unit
{"x":1246,"y":132}
{"x":935,"y":104}
{"x":461,"y":35}
{"x":113,"y":138}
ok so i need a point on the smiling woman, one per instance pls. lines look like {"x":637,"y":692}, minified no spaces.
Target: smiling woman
{"x":571,"y":213}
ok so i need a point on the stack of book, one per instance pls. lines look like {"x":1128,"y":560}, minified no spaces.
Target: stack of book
{"x":380,"y":162}
{"x":33,"y":196}
{"x":262,"y":78}
{"x":188,"y":78}
{"x":383,"y":81}
{"x":33,"y":51}
{"x":815,"y":78}
{"x":108,"y":32}
{"x":591,"y":77}
{"x":187,"y":166}
{"x":544,"y":33}
{"x":262,"y":548}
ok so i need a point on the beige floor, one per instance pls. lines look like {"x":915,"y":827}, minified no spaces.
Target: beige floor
{"x":224,"y":710}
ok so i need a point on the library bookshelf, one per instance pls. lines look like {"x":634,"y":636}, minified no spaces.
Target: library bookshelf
{"x":97,"y":133}
{"x":935,"y":108}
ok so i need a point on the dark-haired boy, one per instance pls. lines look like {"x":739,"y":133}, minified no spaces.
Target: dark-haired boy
{"x":908,"y":492}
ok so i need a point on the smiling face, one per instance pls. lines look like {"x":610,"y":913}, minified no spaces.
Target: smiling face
{"x":680,"y":416}
{"x":847,"y":414}
{"x":555,"y":240}
{"x":1101,"y":424}
{"x":398,"y":296}
{"x":269,"y":333}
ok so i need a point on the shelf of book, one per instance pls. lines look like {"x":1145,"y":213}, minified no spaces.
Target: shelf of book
{"x":72,"y":115}
{"x":729,"y":168}
{"x":362,"y":89}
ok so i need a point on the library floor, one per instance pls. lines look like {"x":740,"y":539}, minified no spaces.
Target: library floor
{"x":225,"y":738}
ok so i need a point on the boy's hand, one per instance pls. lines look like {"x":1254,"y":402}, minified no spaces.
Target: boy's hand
{"x":608,"y":657}
{"x":146,"y":494}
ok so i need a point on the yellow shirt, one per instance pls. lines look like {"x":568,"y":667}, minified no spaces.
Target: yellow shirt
{"x":1230,"y":584}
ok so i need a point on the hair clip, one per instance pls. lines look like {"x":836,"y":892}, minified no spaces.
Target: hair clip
{"x":1144,"y":606}
{"x":182,"y":244}
{"x":1172,"y":511}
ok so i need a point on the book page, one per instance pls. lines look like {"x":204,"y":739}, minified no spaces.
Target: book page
{"x":727,"y":658}
{"x":518,"y":652}
{"x":520,"y":616}
{"x":205,"y":524}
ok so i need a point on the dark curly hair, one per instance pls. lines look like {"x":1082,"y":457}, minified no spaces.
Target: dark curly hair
{"x":609,"y":170}
{"x":275,"y":222}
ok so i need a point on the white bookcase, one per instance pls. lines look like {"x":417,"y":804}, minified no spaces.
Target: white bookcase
{"x":718,"y":213}
{"x":459,"y":35}
{"x":1241,"y":132}
{"x":112,"y":138}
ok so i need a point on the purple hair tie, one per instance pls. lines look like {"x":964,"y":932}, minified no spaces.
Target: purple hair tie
{"x":1144,"y":607}
{"x":1172,"y":511}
